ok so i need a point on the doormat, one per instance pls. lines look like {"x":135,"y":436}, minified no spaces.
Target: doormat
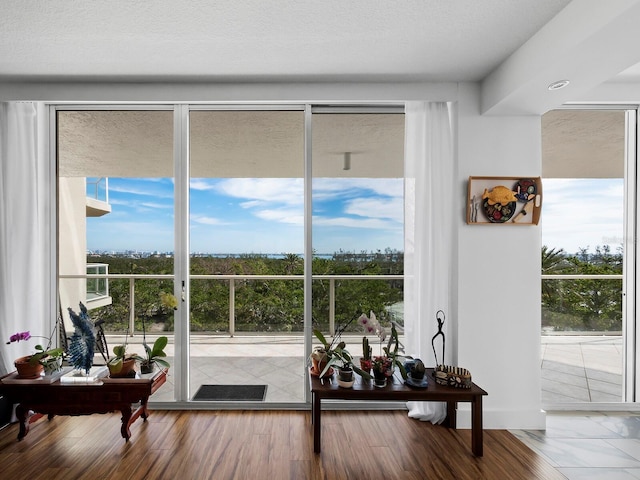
{"x":246,"y":393}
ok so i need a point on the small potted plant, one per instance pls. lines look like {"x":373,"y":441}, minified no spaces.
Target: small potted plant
{"x":365,"y":361}
{"x":153,"y":355}
{"x":392,"y":350}
{"x":336,"y":356}
{"x":121,"y":364}
{"x":382,"y":370}
{"x":45,"y":358}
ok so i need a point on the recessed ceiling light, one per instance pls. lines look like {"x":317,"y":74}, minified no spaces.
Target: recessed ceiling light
{"x":558,"y":85}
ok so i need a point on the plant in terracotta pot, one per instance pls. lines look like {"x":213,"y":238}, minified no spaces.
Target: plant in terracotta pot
{"x":121,"y":364}
{"x":366,"y":361}
{"x":32,"y":366}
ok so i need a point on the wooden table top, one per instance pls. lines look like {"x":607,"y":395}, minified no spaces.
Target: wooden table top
{"x":394,"y":390}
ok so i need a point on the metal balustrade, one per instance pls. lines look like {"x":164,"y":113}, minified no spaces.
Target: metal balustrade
{"x":232,"y":279}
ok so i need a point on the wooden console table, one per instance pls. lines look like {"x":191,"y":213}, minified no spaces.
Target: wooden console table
{"x":398,"y":391}
{"x":104,"y":396}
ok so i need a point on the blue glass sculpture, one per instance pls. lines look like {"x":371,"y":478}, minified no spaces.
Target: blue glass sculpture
{"x":83,"y":340}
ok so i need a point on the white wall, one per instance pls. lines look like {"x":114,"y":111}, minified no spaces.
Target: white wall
{"x":499,"y":271}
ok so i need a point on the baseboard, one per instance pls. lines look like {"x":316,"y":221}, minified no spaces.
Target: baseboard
{"x":504,"y":419}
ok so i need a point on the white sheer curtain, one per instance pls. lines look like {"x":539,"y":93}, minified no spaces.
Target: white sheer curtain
{"x":430,"y":211}
{"x":24,"y":228}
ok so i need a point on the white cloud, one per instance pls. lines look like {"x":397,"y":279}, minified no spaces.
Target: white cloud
{"x":330,"y":187}
{"x":290,"y":216}
{"x":201,"y":184}
{"x":205,"y":220}
{"x":114,"y":187}
{"x":281,"y":190}
{"x":371,"y":223}
{"x":582,"y":213}
{"x":156,"y":205}
{"x":392,"y":208}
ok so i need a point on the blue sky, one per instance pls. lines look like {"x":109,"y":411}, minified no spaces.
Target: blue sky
{"x":241,"y":215}
{"x":582,"y":213}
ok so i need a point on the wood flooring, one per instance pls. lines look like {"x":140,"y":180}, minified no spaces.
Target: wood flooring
{"x":271,"y":445}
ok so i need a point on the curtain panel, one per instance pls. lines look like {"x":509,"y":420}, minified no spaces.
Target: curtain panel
{"x":430,"y":211}
{"x":25,"y":216}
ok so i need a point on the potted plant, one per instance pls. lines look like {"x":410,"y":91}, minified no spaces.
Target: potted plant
{"x":366,"y":361}
{"x":382,"y":369}
{"x":45,"y":358}
{"x":392,"y":352}
{"x":153,"y":355}
{"x":335,"y":356}
{"x":121,"y":364}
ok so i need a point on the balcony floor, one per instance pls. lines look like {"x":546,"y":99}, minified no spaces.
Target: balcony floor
{"x":574,"y":369}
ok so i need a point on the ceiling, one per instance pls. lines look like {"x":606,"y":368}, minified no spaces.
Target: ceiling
{"x":274,"y":40}
{"x":514,"y":48}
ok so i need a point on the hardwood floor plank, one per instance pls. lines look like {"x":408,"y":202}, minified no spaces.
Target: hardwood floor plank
{"x":222,"y":445}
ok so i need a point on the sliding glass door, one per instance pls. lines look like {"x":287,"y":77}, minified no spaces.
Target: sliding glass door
{"x":588,"y":237}
{"x":195,"y":221}
{"x":358,"y":221}
{"x":246,"y":255}
{"x":115,"y":223}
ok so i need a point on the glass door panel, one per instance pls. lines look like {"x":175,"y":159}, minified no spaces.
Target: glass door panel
{"x":583,"y":238}
{"x":358,"y":224}
{"x":246,"y":248}
{"x":115,"y":224}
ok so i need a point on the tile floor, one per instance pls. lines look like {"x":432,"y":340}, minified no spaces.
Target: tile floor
{"x":603,"y":446}
{"x":581,"y":369}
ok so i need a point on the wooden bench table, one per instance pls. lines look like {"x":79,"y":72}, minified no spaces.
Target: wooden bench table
{"x":104,"y":396}
{"x":398,"y":391}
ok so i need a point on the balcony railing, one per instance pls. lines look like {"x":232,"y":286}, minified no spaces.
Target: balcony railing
{"x":98,"y":188}
{"x":98,"y":278}
{"x":233,"y":280}
{"x":579,"y":304}
{"x":97,"y":285}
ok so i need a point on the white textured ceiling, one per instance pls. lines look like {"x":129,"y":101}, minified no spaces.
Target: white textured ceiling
{"x":513,"y":48}
{"x":434,"y":40}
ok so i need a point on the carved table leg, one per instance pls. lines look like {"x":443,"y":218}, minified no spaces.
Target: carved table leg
{"x":126,"y":417}
{"x":143,"y":406}
{"x":22,"y":413}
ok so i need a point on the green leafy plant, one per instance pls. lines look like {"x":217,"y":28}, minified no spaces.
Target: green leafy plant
{"x":115,"y":362}
{"x":154,"y":354}
{"x":337,"y":356}
{"x":392,"y":352}
{"x":42,"y":355}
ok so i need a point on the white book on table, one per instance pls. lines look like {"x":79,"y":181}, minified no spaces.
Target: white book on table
{"x":80,"y":376}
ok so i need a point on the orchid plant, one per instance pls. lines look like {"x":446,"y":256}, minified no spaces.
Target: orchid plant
{"x":335,"y":352}
{"x":42,"y":355}
{"x":391,"y":351}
